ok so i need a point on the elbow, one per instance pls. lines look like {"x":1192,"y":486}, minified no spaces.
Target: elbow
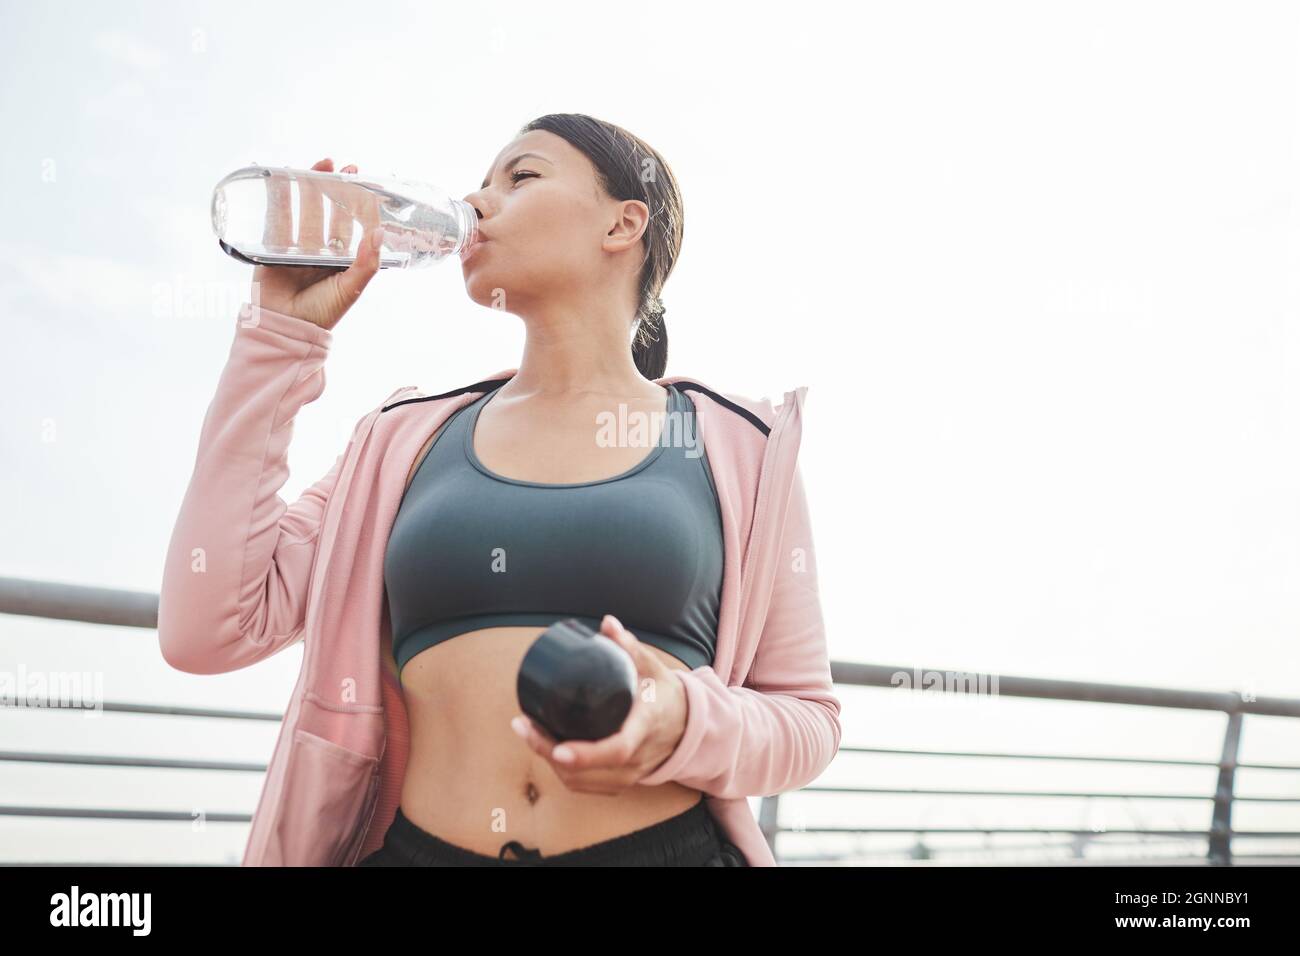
{"x":821,"y":741}
{"x":193,"y":658}
{"x":836,"y":728}
{"x":836,"y":731}
{"x":185,"y":642}
{"x":827,"y":741}
{"x":173,"y":640}
{"x":178,"y":631}
{"x":177,"y":650}
{"x":173,"y":654}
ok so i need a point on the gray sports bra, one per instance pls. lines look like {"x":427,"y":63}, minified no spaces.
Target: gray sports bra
{"x":471,"y":549}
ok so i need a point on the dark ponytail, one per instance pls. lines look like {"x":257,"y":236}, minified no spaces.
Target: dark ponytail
{"x":628,"y":168}
{"x":650,"y":343}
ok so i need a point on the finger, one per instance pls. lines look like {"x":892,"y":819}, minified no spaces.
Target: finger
{"x":611,"y":780}
{"x":538,"y":740}
{"x":340,"y":228}
{"x":605,"y":783}
{"x":368,"y":213}
{"x":546,"y":746}
{"x":311,"y":211}
{"x":277,"y":229}
{"x":354,"y":280}
{"x":532,"y":732}
{"x":608,"y":753}
{"x":611,"y":626}
{"x":647,"y":664}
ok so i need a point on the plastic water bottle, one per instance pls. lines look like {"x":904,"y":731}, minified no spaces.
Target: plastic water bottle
{"x":275,"y":215}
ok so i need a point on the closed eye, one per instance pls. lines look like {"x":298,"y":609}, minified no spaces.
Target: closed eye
{"x":519,"y":174}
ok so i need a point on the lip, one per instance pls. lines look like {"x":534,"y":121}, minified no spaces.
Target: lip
{"x":466,"y":257}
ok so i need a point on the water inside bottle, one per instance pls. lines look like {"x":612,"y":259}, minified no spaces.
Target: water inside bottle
{"x":261,"y":212}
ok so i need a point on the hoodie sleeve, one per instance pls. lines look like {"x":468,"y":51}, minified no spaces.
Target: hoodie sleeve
{"x":779,"y":730}
{"x":234,"y":587}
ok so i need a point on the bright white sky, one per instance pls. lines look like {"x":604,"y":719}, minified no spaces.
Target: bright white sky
{"x":1035,"y":264}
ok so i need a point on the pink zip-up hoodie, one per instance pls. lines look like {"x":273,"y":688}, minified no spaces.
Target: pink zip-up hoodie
{"x":247,"y":576}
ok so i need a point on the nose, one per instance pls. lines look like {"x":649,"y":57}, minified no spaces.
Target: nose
{"x":473,"y":200}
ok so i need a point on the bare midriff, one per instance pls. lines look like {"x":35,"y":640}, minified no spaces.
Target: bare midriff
{"x":470,"y":779}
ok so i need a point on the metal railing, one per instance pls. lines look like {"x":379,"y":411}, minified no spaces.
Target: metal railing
{"x":140,"y":609}
{"x":1219,"y":835}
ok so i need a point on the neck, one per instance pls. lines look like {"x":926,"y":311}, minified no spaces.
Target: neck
{"x":568,"y":350}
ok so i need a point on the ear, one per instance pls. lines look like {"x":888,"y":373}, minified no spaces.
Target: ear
{"x":631,"y":220}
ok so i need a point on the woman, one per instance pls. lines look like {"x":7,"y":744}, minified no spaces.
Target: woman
{"x":538,"y":516}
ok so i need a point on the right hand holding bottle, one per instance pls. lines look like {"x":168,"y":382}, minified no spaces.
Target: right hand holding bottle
{"x":318,"y":295}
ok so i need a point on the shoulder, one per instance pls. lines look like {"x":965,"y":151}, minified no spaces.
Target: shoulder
{"x":412,"y":394}
{"x":757,"y":411}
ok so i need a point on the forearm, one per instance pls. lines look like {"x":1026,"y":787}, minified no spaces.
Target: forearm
{"x":741,"y":742}
{"x":236,"y":563}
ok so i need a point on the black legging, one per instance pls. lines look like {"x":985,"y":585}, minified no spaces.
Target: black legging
{"x":691,"y":838}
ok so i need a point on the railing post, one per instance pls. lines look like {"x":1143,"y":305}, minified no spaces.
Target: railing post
{"x":767,"y":820}
{"x":1220,"y":830}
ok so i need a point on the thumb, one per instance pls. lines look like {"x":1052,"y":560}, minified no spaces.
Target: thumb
{"x":613,"y":628}
{"x":353,"y":280}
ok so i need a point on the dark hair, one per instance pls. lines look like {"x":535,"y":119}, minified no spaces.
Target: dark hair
{"x":627,"y":168}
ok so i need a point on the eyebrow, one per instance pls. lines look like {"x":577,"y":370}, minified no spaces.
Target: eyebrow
{"x":511,"y":165}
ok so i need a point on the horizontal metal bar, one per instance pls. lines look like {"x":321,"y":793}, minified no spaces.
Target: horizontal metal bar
{"x":158,"y":710}
{"x":78,"y":602}
{"x":1009,"y":685}
{"x":1093,"y":758}
{"x":990,"y":831}
{"x":927,"y":791}
{"x":901,"y":859}
{"x":1141,"y":841}
{"x":100,"y":813}
{"x":1007,"y":755}
{"x":81,"y":863}
{"x":153,"y":763}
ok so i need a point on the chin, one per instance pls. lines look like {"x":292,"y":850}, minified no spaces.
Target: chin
{"x":481,"y":290}
{"x":476,"y":288}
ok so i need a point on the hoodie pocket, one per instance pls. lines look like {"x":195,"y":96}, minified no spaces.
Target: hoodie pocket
{"x":349,"y":857}
{"x":326,"y":788}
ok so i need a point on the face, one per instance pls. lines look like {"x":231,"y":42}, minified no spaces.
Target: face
{"x":546,"y":225}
